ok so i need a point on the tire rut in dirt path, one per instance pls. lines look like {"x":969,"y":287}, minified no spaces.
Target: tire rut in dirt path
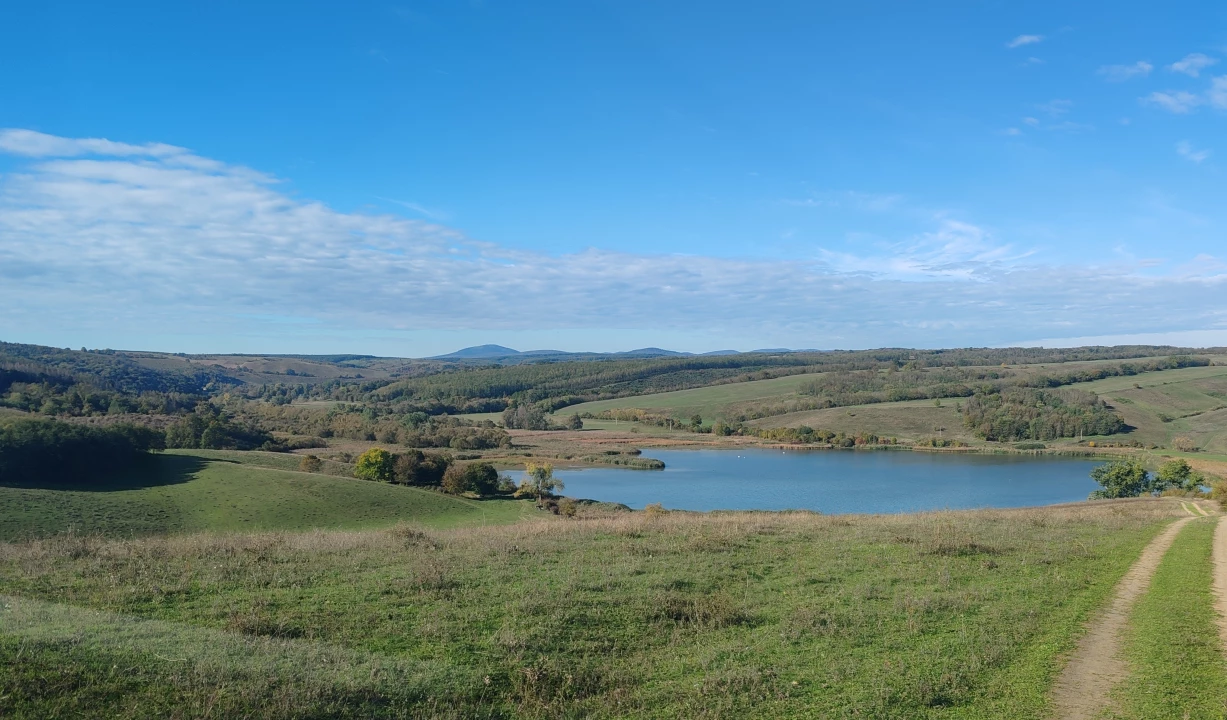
{"x":1084,"y":686}
{"x":1220,"y":578}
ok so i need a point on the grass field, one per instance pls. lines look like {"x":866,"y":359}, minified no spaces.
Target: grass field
{"x":708,"y":402}
{"x":1161,"y":406}
{"x":913,"y":419}
{"x":1178,"y":668}
{"x":650,"y":616}
{"x":191,"y":491}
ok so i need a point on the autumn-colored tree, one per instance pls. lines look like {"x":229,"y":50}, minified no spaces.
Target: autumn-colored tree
{"x":374,"y":464}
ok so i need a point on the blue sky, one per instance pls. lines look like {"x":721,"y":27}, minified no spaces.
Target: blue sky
{"x":407,"y":178}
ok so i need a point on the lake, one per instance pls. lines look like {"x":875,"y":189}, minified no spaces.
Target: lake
{"x":836,"y":481}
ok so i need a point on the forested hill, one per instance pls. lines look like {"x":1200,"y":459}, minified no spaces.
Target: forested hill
{"x":54,"y":381}
{"x":102,"y":370}
{"x":553,"y":385}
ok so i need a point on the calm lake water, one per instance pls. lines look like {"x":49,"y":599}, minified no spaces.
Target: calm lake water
{"x":836,"y":481}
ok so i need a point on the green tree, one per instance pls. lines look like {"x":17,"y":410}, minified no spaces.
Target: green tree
{"x":214,"y":436}
{"x":481,"y":478}
{"x":1121,"y":479}
{"x":575,"y":422}
{"x":374,"y":464}
{"x":540,"y":481}
{"x":1179,"y":474}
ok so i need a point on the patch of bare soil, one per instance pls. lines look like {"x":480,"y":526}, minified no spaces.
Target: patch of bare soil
{"x":1084,"y":686}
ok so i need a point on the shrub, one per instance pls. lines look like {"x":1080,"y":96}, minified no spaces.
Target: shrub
{"x":310,"y":463}
{"x":1218,"y":492}
{"x":1184,"y":444}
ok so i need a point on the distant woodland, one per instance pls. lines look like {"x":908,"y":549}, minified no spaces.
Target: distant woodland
{"x":199,"y":404}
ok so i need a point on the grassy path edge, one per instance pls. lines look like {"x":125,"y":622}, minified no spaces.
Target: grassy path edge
{"x":1095,"y":667}
{"x":1219,"y":562}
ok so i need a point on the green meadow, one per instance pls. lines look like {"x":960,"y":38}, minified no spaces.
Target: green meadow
{"x":647,"y":615}
{"x":709,"y":402}
{"x":200,"y":490}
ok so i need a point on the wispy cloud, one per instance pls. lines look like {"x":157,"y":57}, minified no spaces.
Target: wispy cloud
{"x":139,"y":237}
{"x":1217,"y":94}
{"x":1121,"y":73}
{"x":849,"y":199}
{"x":1177,"y":101}
{"x":31,"y":143}
{"x":1192,"y":64}
{"x":1024,"y":40}
{"x":1056,"y":108}
{"x":417,"y":208}
{"x":1186,"y":150}
{"x":955,"y":249}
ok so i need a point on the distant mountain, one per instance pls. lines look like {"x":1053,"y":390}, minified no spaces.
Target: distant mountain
{"x":650,"y":352}
{"x":478,"y":352}
{"x":507,"y":355}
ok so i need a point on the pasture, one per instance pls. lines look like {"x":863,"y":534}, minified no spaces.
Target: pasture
{"x":1162,"y":406}
{"x":953,"y":614}
{"x":193,"y":491}
{"x":709,"y":402}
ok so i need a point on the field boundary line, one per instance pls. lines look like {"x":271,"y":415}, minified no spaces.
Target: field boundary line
{"x":1083,"y":687}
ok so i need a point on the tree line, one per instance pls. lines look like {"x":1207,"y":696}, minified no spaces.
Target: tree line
{"x":54,"y":451}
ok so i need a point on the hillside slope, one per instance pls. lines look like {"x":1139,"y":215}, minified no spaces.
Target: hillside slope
{"x":192,"y":491}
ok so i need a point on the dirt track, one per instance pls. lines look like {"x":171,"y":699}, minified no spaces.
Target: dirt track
{"x":1084,"y":686}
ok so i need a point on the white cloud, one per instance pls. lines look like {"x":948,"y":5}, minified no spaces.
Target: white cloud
{"x":1186,"y":150}
{"x":1031,"y":121}
{"x":99,"y":237}
{"x":1217,"y":94}
{"x":1011,"y":131}
{"x":1024,"y":40}
{"x":36,"y":144}
{"x":850,"y":199}
{"x":955,"y":249}
{"x":1056,"y":108}
{"x":1192,"y":64}
{"x":1071,"y":127}
{"x":1177,"y":101}
{"x":1121,"y":73}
